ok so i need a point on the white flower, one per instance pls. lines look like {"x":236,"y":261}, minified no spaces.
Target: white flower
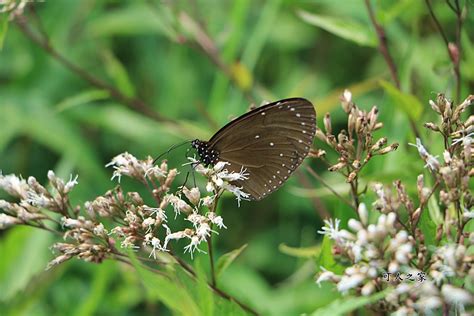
{"x":349,"y":282}
{"x":129,"y":242}
{"x":367,"y":289}
{"x":195,"y":219}
{"x":220,"y":165}
{"x":428,"y":304}
{"x":355,"y":225}
{"x":70,"y":184}
{"x":71,"y":222}
{"x":237,"y":191}
{"x":148,"y":223}
{"x":327,"y":276}
{"x":347,"y":95}
{"x":173,"y":236}
{"x":333,"y":232}
{"x":430,"y":160}
{"x":465,"y":140}
{"x":403,"y":253}
{"x":204,"y":230}
{"x":156,"y":171}
{"x":179,"y":205}
{"x":468,"y":213}
{"x":7,"y":221}
{"x":100,"y":230}
{"x":192,"y":195}
{"x":208,"y":200}
{"x":193,"y":246}
{"x":216,"y":220}
{"x":158,"y":212}
{"x":124,"y":164}
{"x":156,"y":245}
{"x":455,"y":295}
{"x":38,"y":199}
{"x":13,"y":185}
{"x":363,"y":213}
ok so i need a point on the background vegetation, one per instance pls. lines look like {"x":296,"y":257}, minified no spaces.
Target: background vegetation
{"x":82,"y":81}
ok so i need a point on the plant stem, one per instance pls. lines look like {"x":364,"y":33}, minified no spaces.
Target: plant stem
{"x":454,"y":51}
{"x":211,"y":260}
{"x":133,"y":103}
{"x":383,"y":45}
{"x":383,"y":48}
{"x":320,"y":179}
{"x":219,"y":292}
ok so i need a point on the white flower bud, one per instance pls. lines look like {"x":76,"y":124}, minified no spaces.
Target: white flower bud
{"x":363,"y":214}
{"x":355,"y":225}
{"x":368,"y":289}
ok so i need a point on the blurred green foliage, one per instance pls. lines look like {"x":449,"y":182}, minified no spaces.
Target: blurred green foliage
{"x":164,"y":52}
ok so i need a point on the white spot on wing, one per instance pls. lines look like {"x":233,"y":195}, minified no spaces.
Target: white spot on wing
{"x":272,"y":144}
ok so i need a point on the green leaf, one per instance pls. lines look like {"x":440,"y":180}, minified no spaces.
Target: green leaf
{"x":348,"y":304}
{"x":205,"y":295}
{"x":342,"y":27}
{"x":103,"y":276}
{"x":407,"y":102}
{"x":138,"y":18}
{"x":326,"y":258}
{"x":428,"y":227}
{"x":136,"y":127}
{"x":83,"y":97}
{"x":3,"y":28}
{"x":165,"y":287}
{"x":226,"y":259}
{"x":23,"y":255}
{"x":434,"y":210}
{"x":303,"y":252}
{"x":118,"y":74}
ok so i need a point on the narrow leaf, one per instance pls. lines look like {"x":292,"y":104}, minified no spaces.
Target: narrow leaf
{"x":303,"y":252}
{"x":165,"y":287}
{"x":118,"y":74}
{"x":226,"y":259}
{"x":348,"y":304}
{"x":342,"y":27}
{"x":407,"y":102}
{"x":3,"y":28}
{"x":83,"y":97}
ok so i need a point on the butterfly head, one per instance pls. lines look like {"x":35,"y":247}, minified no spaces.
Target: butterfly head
{"x":207,"y":155}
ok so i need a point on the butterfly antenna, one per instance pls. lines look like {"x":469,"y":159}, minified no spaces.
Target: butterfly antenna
{"x":170,"y":149}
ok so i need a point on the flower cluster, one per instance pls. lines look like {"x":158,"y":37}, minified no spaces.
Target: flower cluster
{"x":437,"y":264}
{"x":102,"y":227}
{"x":356,"y":145}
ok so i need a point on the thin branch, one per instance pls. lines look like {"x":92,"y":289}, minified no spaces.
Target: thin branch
{"x":436,"y":21}
{"x":454,"y":49}
{"x":319,"y":208}
{"x":383,"y":48}
{"x":211,"y":261}
{"x":133,"y":103}
{"x":320,"y":179}
{"x":383,"y":45}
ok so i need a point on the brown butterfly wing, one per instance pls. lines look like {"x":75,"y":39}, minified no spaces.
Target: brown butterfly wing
{"x":270,"y":142}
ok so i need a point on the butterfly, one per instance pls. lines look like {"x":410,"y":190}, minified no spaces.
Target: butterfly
{"x":269,"y":142}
